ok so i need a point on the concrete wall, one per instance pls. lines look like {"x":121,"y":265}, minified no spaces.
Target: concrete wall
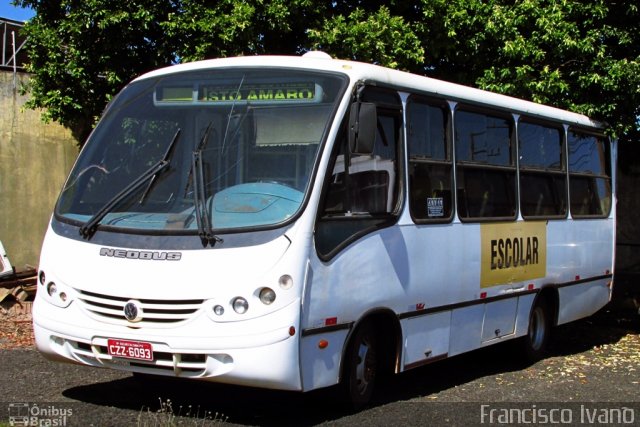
{"x":35,"y":159}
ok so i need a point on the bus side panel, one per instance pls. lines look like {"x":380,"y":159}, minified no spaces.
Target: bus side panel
{"x":499,"y":319}
{"x":445,"y":269}
{"x":409,"y":268}
{"x":525,"y":302}
{"x":581,"y":264}
{"x":443,"y":265}
{"x":321,"y":366}
{"x":466,"y":329}
{"x":426,"y":337}
{"x":405,"y":269}
{"x":369,"y":275}
{"x":582,"y":300}
{"x":580,"y":249}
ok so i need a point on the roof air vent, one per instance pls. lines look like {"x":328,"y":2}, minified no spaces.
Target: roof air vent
{"x":316,"y":54}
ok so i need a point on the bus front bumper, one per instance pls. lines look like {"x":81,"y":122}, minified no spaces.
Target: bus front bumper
{"x":258,"y":358}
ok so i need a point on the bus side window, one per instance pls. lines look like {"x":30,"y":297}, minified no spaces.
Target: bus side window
{"x":485,"y":167}
{"x":362,"y":195}
{"x":589,"y":175}
{"x":430,"y":166}
{"x":371,"y":185}
{"x":543,"y":184}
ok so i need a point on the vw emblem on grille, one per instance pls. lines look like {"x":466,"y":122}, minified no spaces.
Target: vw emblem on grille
{"x":133,"y":311}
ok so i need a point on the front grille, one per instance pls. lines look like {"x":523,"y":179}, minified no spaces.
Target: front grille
{"x":164,"y":362}
{"x":156,"y":312}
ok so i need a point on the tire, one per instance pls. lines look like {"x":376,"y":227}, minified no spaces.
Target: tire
{"x":361,"y":368}
{"x":538,"y":331}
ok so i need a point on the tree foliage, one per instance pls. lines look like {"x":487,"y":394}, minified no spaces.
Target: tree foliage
{"x":579,"y":55}
{"x":82,"y":52}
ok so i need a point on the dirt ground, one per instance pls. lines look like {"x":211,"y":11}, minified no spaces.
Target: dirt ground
{"x":15,"y":326}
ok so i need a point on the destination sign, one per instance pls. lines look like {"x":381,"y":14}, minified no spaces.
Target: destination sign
{"x":258,"y":92}
{"x":285,"y":92}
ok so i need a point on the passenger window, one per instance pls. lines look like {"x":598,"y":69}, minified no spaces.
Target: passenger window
{"x":430,"y":166}
{"x":370,"y":186}
{"x":362,"y":191}
{"x":543,"y":183}
{"x":485,"y":169}
{"x":589,"y":175}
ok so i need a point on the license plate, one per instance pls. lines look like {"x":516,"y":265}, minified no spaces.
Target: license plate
{"x":130,"y":349}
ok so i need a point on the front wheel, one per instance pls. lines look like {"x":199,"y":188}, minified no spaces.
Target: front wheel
{"x":538,"y":332}
{"x":361,"y":367}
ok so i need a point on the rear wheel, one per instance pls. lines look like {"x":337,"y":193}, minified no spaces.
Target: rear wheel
{"x":361,"y":367}
{"x":539,"y":330}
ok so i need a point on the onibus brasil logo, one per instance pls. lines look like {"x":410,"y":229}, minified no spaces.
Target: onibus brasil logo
{"x":34,"y":415}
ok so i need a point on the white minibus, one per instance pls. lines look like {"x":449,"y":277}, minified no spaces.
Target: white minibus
{"x":295,"y":223}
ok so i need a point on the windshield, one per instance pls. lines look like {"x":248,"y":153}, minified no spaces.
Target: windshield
{"x":231,"y":148}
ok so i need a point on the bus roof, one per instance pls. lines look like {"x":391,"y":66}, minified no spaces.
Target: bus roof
{"x":358,"y":71}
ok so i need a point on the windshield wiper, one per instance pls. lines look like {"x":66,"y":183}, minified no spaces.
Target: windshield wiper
{"x":199,"y":197}
{"x":89,"y":228}
{"x":166,"y":158}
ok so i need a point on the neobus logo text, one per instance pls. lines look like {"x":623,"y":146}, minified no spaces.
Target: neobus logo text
{"x":149,"y":255}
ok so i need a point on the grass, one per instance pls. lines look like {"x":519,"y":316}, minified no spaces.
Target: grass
{"x":166,"y":416}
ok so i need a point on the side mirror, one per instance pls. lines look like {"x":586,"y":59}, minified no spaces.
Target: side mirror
{"x":363,"y":123}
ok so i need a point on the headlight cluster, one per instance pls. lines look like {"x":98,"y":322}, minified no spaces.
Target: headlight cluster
{"x":266,"y":296}
{"x":56,"y":294}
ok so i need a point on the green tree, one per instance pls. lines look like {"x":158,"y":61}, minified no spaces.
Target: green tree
{"x":83,"y":51}
{"x":583,"y":56}
{"x":370,"y":35}
{"x":250,"y":27}
{"x":578,"y":55}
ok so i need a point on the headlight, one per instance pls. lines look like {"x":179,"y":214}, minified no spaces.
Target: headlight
{"x":267,"y":296}
{"x":240,"y":305}
{"x":52,"y":289}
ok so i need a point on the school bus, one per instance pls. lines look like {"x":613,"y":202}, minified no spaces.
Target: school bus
{"x":300,"y":222}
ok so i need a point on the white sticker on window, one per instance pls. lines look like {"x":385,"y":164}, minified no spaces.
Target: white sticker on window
{"x":435,"y":207}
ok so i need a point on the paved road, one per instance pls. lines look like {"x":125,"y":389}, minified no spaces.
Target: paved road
{"x":591,"y":374}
